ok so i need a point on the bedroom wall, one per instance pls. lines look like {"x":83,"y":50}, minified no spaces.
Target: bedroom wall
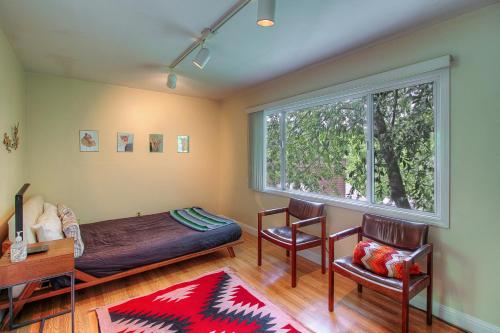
{"x":12,"y":111}
{"x":107,"y":184}
{"x":466,"y":255}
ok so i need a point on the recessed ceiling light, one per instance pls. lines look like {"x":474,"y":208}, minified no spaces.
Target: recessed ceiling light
{"x":265,"y":13}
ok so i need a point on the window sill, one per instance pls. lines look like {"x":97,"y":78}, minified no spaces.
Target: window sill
{"x":365,"y":207}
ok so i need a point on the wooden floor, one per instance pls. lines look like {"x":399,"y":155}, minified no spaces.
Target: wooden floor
{"x":368,"y":312}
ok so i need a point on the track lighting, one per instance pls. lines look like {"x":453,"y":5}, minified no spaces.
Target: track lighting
{"x":172,"y":81}
{"x":202,"y":57}
{"x":265,"y":13}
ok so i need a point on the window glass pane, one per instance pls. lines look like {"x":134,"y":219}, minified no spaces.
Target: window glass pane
{"x":326,"y":150}
{"x":273,"y":162}
{"x":404,"y":147}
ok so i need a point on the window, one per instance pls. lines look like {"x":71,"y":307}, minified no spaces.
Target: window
{"x":380,"y":148}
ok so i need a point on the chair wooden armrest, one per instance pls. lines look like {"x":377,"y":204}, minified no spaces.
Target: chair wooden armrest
{"x":345,"y":233}
{"x":423,"y":251}
{"x":273,"y":211}
{"x":313,"y":220}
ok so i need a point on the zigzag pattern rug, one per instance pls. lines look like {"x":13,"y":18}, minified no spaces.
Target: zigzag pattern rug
{"x":214,"y":303}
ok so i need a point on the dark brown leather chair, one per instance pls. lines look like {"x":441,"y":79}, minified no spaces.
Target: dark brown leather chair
{"x":403,"y":235}
{"x":289,"y":237}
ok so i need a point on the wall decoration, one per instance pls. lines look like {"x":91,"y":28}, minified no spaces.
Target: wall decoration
{"x":89,"y":141}
{"x":125,"y":142}
{"x":183,"y":144}
{"x":156,"y":143}
{"x":12,"y":143}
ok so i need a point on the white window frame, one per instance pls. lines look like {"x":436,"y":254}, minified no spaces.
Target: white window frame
{"x":436,"y":71}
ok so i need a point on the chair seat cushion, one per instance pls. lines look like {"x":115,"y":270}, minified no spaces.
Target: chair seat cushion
{"x":382,"y":259}
{"x":284,"y":234}
{"x":346,"y":263}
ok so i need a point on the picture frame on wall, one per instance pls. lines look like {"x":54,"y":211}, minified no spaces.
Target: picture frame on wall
{"x":156,"y":143}
{"x":89,"y":141}
{"x":183,"y":144}
{"x":124,"y":142}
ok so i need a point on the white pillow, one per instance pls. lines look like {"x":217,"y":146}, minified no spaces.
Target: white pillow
{"x":48,"y":226}
{"x":32,"y":209}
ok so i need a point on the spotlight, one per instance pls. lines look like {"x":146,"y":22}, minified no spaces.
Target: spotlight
{"x":172,"y":81}
{"x":202,"y":57}
{"x":265,"y":13}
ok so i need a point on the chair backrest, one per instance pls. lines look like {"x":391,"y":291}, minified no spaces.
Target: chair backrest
{"x":302,"y":209}
{"x":393,"y":232}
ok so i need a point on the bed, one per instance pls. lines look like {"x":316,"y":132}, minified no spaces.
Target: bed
{"x":122,"y":247}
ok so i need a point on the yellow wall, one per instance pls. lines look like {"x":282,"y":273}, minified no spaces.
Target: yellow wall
{"x":466,"y":255}
{"x":108,"y":184}
{"x":12,"y":111}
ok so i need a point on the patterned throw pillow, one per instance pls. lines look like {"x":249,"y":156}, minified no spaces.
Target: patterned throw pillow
{"x":382,"y":259}
{"x":70,"y":227}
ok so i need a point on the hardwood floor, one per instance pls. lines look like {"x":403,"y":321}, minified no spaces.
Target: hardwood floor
{"x":369,"y":312}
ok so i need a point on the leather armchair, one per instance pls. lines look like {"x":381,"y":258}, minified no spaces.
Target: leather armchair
{"x":403,"y":235}
{"x":289,"y":237}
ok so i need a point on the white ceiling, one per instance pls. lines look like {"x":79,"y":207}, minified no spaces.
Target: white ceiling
{"x":130,"y":42}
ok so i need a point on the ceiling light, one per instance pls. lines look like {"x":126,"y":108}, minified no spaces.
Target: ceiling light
{"x":265,"y":13}
{"x":202,"y":57}
{"x":172,"y":81}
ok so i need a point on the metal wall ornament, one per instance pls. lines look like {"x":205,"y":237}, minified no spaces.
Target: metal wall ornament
{"x":12,"y":143}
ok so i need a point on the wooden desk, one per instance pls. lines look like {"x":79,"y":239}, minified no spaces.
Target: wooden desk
{"x":57,"y":261}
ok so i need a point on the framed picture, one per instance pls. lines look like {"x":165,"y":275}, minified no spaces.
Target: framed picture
{"x":156,"y":143}
{"x":89,"y":140}
{"x":124,"y":142}
{"x":183,"y":144}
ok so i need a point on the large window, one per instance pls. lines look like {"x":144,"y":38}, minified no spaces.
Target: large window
{"x":380,"y":149}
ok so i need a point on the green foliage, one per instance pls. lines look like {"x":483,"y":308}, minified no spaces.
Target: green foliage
{"x":408,"y":116}
{"x":325,"y":148}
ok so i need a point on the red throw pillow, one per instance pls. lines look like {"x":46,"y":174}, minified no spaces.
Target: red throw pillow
{"x":382,"y":259}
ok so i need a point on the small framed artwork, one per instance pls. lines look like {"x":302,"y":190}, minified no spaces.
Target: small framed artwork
{"x":124,"y":142}
{"x":156,"y":143}
{"x":183,"y":144}
{"x":89,"y":141}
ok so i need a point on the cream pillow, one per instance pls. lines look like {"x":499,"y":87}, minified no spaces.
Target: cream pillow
{"x":32,"y":209}
{"x":48,"y":226}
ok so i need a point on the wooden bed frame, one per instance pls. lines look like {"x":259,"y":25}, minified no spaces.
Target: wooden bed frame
{"x":35,"y":291}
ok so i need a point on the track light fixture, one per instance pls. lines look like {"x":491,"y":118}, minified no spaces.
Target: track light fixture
{"x":265,"y":13}
{"x":265,"y":18}
{"x":202,"y":57}
{"x":172,"y":81}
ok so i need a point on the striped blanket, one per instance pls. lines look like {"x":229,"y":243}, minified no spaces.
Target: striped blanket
{"x":198,"y":219}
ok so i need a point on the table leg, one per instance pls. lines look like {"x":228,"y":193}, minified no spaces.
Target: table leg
{"x":73,"y":302}
{"x":11,"y":309}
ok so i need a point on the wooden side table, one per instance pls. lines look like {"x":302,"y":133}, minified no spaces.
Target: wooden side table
{"x":57,"y":261}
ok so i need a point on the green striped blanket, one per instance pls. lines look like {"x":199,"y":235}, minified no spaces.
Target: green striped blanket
{"x":199,"y":219}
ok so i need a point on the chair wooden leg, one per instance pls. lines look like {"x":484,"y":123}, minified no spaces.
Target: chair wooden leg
{"x":259,"y":250}
{"x":405,"y":316}
{"x":330,"y":287}
{"x":360,"y":288}
{"x":429,"y":304}
{"x":323,"y":259}
{"x":429,"y":289}
{"x":230,"y":250}
{"x":294,"y":268}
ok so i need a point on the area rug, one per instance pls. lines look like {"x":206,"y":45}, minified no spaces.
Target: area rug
{"x":213,"y":303}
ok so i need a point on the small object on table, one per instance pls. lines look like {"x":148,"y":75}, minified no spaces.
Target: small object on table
{"x":18,"y":250}
{"x":38,"y":249}
{"x":58,"y":260}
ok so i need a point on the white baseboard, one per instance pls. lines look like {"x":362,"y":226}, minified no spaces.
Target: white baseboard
{"x":450,"y":315}
{"x":455,"y":317}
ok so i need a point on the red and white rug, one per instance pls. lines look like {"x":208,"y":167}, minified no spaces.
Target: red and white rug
{"x":214,"y":303}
